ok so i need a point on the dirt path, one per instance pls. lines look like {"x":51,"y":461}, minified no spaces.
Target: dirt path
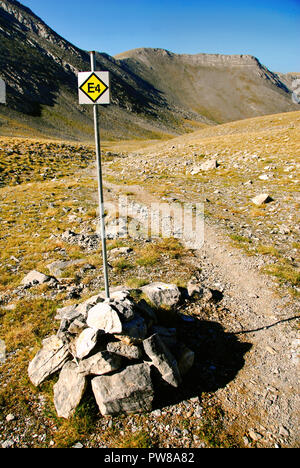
{"x":263,"y":400}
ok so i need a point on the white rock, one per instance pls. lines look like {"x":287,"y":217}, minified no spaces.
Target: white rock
{"x":10,"y":417}
{"x":69,"y":390}
{"x":209,"y":165}
{"x":48,"y":360}
{"x":86,"y":342}
{"x":162,"y":294}
{"x":85,"y":306}
{"x":103,"y":317}
{"x":261,"y":199}
{"x":34,"y":277}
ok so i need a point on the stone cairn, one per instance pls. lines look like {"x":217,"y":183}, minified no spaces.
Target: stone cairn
{"x":113,"y":344}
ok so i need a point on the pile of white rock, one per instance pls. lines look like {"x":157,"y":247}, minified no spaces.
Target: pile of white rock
{"x":115,"y":345}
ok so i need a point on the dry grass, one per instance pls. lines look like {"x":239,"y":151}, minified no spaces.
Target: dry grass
{"x":245,"y":150}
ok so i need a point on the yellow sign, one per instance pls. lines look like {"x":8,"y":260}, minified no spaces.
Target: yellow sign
{"x":93,"y":87}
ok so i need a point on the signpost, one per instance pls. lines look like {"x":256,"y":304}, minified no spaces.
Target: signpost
{"x":94,"y":88}
{"x":2,"y":92}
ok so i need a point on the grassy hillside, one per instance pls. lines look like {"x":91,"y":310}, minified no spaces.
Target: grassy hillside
{"x":255,"y":156}
{"x":48,"y":187}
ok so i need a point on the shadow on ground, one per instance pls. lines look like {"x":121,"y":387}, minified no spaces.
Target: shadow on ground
{"x":219,"y":356}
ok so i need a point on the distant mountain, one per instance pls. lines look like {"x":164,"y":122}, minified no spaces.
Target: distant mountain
{"x":40,"y":69}
{"x":221,"y":87}
{"x":154,"y":92}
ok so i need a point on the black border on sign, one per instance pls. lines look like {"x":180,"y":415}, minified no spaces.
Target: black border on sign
{"x":99,"y":79}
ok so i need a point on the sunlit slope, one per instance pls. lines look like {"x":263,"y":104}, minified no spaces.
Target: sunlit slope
{"x":253,"y":157}
{"x":220,"y":87}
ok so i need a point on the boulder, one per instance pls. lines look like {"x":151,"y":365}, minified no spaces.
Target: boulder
{"x":209,"y":165}
{"x":120,"y":251}
{"x":261,"y":199}
{"x":136,"y":328}
{"x":185,"y":358}
{"x":205,"y":166}
{"x":103,"y":317}
{"x":162,"y":359}
{"x":146,"y":311}
{"x":35,"y":277}
{"x":76,"y":327}
{"x":86,"y":342}
{"x":67,"y":313}
{"x":85,"y":306}
{"x":68,"y":391}
{"x":125,"y":309}
{"x":48,"y":360}
{"x":99,"y":364}
{"x":129,"y":391}
{"x":194,"y":288}
{"x":167,"y":335}
{"x":162,"y":294}
{"x":56,"y":268}
{"x":122,"y":349}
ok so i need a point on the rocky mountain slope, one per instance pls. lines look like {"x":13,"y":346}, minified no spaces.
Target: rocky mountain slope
{"x":155,"y":93}
{"x":40,"y":68}
{"x":222,"y":88}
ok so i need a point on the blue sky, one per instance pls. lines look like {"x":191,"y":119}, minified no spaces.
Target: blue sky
{"x":268,"y":29}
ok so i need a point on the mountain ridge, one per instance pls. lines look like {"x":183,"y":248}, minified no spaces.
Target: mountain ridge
{"x":40,"y":68}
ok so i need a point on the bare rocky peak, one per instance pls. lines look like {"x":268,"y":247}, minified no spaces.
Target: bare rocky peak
{"x":143,"y":54}
{"x":31,"y":23}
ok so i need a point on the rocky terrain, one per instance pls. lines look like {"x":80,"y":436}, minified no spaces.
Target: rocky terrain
{"x":200,"y":339}
{"x":238,"y":313}
{"x":155,"y":93}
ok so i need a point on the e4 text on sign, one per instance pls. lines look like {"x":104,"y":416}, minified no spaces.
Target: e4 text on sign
{"x":93,"y":88}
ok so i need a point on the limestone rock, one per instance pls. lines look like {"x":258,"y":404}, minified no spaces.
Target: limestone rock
{"x":68,"y":313}
{"x":209,"y":165}
{"x":48,"y":360}
{"x":56,"y":268}
{"x":34,"y":277}
{"x":146,"y":311}
{"x":162,"y":359}
{"x":122,"y":349}
{"x":85,"y":306}
{"x":167,"y":335}
{"x":86,"y":342}
{"x":99,"y":364}
{"x":76,"y":327}
{"x":162,"y":294}
{"x":103,"y":317}
{"x":130,"y":391}
{"x":136,"y":328}
{"x":261,"y":199}
{"x":205,"y":166}
{"x":185,"y":358}
{"x":120,"y":251}
{"x":69,"y":390}
{"x":125,"y":309}
{"x":194,"y":288}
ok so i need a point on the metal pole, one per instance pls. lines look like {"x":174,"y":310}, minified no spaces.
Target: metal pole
{"x":100,"y":187}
